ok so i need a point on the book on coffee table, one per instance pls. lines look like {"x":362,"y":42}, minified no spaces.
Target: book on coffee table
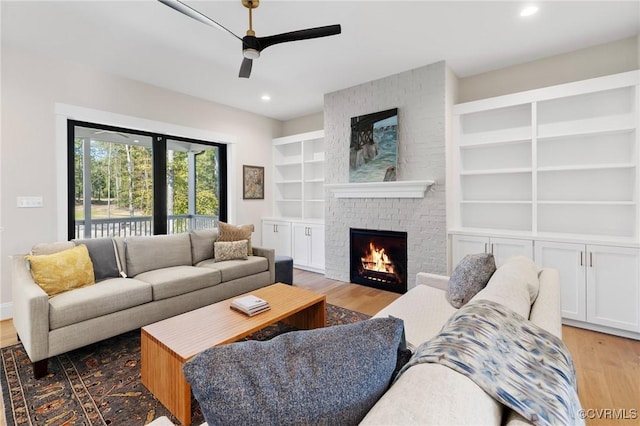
{"x":250,"y":305}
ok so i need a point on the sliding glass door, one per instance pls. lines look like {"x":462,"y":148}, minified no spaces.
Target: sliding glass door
{"x":193,"y":185}
{"x":126,"y":182}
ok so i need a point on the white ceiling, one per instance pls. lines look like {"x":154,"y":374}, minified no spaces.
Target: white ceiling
{"x":147,"y":41}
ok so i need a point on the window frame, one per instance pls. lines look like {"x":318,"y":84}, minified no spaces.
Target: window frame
{"x":159,"y":159}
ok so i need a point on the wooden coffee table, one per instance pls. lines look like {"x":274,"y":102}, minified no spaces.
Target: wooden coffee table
{"x":166,"y":345}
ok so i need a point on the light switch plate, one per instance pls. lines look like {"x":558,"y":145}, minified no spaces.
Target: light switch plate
{"x":30,"y":202}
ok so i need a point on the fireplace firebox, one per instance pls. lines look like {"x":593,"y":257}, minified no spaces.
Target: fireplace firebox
{"x":379,"y":259}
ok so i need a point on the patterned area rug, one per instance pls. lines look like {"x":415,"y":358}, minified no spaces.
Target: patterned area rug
{"x":100,"y":383}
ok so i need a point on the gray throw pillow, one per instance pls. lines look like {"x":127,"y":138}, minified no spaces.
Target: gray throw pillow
{"x":102,"y":252}
{"x":470,"y":276}
{"x":330,"y":375}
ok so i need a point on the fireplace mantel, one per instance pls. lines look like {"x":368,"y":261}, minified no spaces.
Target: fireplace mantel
{"x":395,"y":189}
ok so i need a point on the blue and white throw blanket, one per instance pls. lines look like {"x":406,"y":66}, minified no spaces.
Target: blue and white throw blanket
{"x":516,"y":362}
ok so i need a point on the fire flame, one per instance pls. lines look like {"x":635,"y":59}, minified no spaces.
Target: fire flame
{"x":377,"y":260}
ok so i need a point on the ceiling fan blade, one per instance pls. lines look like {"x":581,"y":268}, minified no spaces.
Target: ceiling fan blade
{"x":192,"y":13}
{"x":329,"y":30}
{"x":245,"y":68}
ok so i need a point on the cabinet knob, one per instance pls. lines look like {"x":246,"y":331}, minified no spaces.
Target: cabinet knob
{"x":581,"y":258}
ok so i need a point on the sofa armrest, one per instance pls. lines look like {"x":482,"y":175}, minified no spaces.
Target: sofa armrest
{"x":432,"y":280}
{"x":270,"y":254}
{"x":30,"y":310}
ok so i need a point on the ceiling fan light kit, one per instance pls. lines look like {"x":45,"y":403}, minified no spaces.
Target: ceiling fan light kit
{"x":252,"y":46}
{"x":251,"y":53}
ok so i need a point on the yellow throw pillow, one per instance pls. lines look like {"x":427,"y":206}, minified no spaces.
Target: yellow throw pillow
{"x":228,"y":232}
{"x":62,"y":271}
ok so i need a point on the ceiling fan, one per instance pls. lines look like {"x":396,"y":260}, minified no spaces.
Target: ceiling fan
{"x":252,"y":45}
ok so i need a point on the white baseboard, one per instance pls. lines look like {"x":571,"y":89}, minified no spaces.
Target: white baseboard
{"x":6,"y":311}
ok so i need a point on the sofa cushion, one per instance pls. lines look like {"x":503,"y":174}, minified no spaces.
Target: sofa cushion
{"x":293,"y":379}
{"x":157,"y":252}
{"x":432,"y":394}
{"x":230,"y":250}
{"x":176,"y":280}
{"x":230,"y":232}
{"x":469,"y":277}
{"x":202,"y":244}
{"x":103,"y":256}
{"x":424,"y":309}
{"x":105,"y":297}
{"x":62,"y":271}
{"x":514,"y":285}
{"x":233,"y":269}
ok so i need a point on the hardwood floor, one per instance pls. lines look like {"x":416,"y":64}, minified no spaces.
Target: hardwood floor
{"x":607,"y":367}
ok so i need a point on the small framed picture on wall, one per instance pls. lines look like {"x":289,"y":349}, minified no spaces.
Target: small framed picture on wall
{"x":252,"y":182}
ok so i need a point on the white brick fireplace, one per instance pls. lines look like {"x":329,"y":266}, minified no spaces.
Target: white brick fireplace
{"x":419,"y":95}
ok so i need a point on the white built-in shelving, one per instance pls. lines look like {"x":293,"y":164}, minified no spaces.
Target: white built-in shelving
{"x":296,"y":228}
{"x":562,"y":159}
{"x":298,"y":163}
{"x":557,"y":170}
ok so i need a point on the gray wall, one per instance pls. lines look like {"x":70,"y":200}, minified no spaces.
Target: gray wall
{"x":597,"y":61}
{"x":420,"y":97}
{"x":307,"y":123}
{"x":33,"y":84}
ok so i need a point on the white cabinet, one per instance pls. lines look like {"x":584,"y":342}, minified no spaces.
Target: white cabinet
{"x":613,"y":287}
{"x":276,"y":234}
{"x":600,"y":284}
{"x":298,"y":176}
{"x":302,"y":240}
{"x":502,"y":248}
{"x":308,"y":246}
{"x":569,"y":260}
{"x":299,"y":198}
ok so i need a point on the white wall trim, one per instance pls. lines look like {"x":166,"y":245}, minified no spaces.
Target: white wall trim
{"x":6,"y":311}
{"x":64,"y":112}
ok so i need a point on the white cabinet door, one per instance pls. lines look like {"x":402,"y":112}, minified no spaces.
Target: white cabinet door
{"x":569,"y":260}
{"x":277,"y":235}
{"x":462,"y":245}
{"x":316,"y":233}
{"x":502,"y":248}
{"x":301,"y":250}
{"x":613,"y":287}
{"x":308,"y":246}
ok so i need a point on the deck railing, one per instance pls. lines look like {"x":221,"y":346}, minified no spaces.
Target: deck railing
{"x":143,"y":225}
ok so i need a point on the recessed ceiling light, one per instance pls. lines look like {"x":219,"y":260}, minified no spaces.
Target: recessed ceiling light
{"x":529,"y":10}
{"x":266,"y":98}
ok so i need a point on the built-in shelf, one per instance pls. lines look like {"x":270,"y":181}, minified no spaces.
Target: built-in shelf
{"x":397,"y":189}
{"x":299,"y":176}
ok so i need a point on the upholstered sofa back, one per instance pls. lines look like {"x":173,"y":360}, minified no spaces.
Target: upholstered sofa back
{"x":156,"y":252}
{"x":202,"y":244}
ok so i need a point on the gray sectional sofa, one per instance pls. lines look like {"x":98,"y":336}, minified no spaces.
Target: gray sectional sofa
{"x":166,"y":275}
